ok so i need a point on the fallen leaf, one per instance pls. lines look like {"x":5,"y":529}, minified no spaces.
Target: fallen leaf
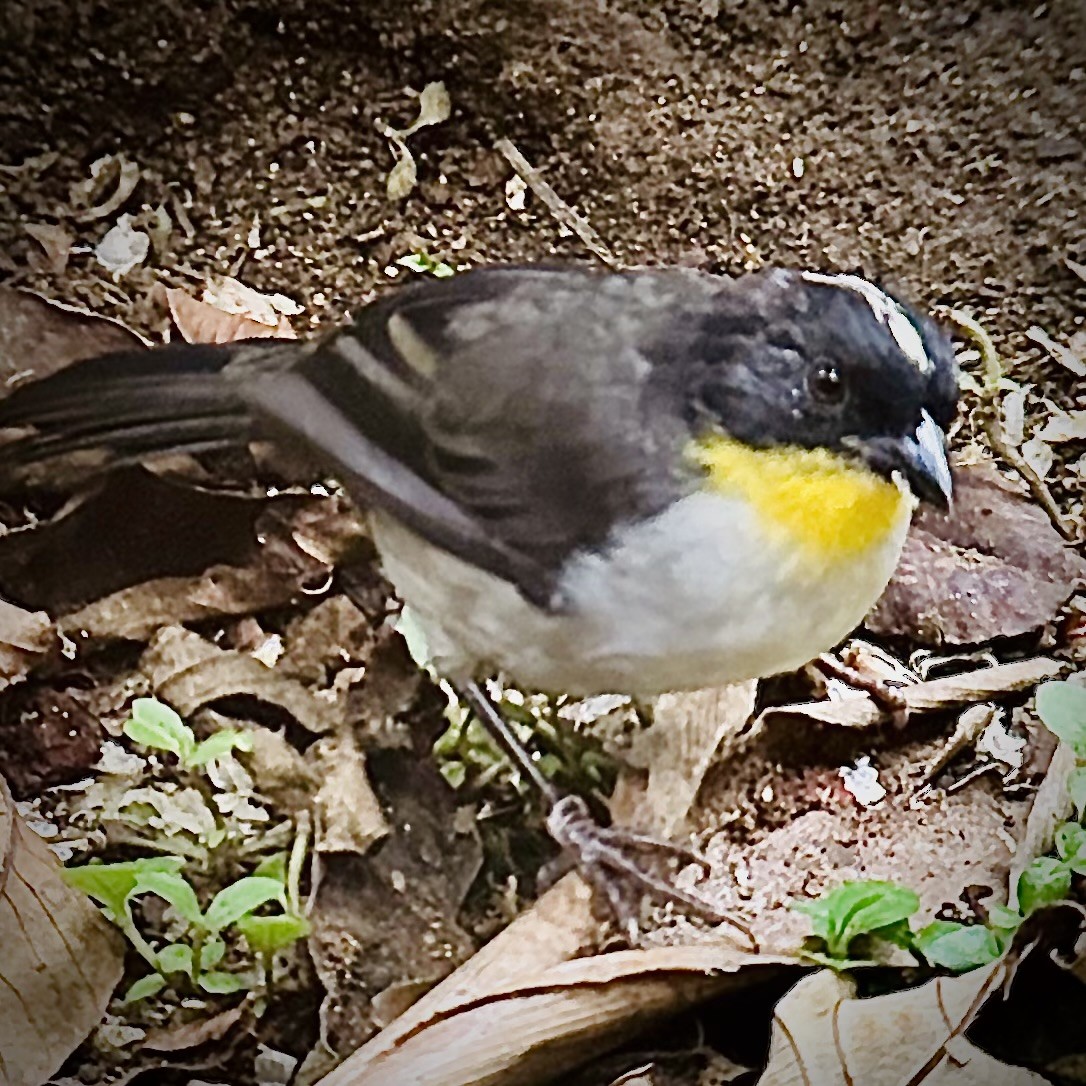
{"x":434,"y":108}
{"x":188,"y":672}
{"x":349,"y":818}
{"x":201,"y":322}
{"x":823,"y":1034}
{"x":60,"y":963}
{"x":122,"y":248}
{"x":25,"y":638}
{"x":232,"y":296}
{"x":542,"y":1025}
{"x":56,"y":243}
{"x":1063,"y":426}
{"x":994,"y":567}
{"x":684,"y":739}
{"x":949,"y":692}
{"x":1064,"y":355}
{"x":39,"y":337}
{"x":193,"y":1034}
{"x":114,"y":171}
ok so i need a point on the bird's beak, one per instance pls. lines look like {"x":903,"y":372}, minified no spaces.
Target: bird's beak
{"x":921,"y":459}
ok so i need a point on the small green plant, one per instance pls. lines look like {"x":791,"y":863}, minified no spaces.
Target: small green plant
{"x":424,"y":263}
{"x":195,"y":960}
{"x":881,"y":909}
{"x":155,"y":725}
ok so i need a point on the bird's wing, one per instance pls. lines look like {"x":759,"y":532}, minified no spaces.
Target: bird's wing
{"x":502,"y":414}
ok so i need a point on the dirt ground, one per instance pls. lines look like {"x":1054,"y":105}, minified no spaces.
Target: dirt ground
{"x":936,"y":148}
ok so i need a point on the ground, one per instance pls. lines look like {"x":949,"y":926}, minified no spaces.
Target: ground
{"x":935,"y":148}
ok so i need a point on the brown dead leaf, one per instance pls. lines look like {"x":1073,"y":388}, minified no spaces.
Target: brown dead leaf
{"x":193,"y":1034}
{"x":39,"y":337}
{"x":823,"y":1035}
{"x":56,"y":243}
{"x":60,"y":961}
{"x":858,"y":710}
{"x":202,"y":322}
{"x":994,"y":567}
{"x":189,"y":672}
{"x":349,"y":818}
{"x":25,"y":638}
{"x":134,"y":526}
{"x":544,"y":1024}
{"x":275,"y":573}
{"x":685,"y":738}
{"x":113,"y":179}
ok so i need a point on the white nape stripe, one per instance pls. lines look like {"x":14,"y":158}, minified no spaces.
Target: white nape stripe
{"x":886,"y":311}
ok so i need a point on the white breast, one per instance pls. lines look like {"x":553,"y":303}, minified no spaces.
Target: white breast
{"x":696,"y":597}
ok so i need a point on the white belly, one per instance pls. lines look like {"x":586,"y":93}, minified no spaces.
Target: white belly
{"x":697,"y":597}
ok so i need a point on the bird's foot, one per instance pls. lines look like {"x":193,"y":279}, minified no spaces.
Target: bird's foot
{"x":888,"y":697}
{"x":622,"y":867}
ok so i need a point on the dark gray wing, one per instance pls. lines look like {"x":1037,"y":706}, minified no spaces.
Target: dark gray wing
{"x":503,"y":414}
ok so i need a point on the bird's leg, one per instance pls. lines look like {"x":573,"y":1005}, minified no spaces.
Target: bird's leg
{"x":610,"y":859}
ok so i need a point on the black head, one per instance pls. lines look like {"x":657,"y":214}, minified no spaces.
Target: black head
{"x":810,"y":360}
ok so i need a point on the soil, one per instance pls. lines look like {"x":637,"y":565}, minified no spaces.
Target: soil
{"x":936,"y":148}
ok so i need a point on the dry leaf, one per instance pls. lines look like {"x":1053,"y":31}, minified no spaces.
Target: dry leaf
{"x":1063,"y":426}
{"x":189,"y":672}
{"x":950,"y":692}
{"x":60,"y":961}
{"x":193,"y":1034}
{"x":110,"y":170}
{"x":201,"y":322}
{"x":434,"y":108}
{"x":349,"y":816}
{"x":56,"y":243}
{"x":25,"y":638}
{"x":39,"y":337}
{"x":544,"y":1024}
{"x":823,"y":1035}
{"x":994,"y":567}
{"x":677,"y":749}
{"x":232,"y":296}
{"x":1064,"y":355}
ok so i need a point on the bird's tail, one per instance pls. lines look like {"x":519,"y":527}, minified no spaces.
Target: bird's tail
{"x":122,"y":407}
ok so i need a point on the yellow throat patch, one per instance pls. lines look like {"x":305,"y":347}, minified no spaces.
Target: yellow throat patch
{"x":833,"y":508}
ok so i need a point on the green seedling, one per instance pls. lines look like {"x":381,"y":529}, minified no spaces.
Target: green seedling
{"x":871,"y":908}
{"x":960,"y":947}
{"x":155,"y":725}
{"x":426,"y":264}
{"x":1061,"y":705}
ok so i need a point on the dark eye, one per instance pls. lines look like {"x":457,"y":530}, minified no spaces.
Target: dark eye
{"x":825,"y":385}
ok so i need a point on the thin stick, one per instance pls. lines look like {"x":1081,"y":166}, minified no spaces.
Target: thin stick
{"x":558,"y":207}
{"x":993,"y":426}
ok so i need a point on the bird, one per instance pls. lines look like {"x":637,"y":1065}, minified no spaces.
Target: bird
{"x":638,"y":481}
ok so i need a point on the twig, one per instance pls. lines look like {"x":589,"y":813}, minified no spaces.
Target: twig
{"x":558,"y":207}
{"x":993,"y":426}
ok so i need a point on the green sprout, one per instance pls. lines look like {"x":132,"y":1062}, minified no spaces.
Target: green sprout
{"x":881,"y":909}
{"x":423,"y":263}
{"x":155,"y":725}
{"x":195,"y":960}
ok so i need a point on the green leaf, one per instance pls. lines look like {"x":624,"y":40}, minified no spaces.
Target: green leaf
{"x":175,"y":958}
{"x":146,"y":986}
{"x":245,"y":895}
{"x":857,"y":908}
{"x":1045,"y":881}
{"x":1076,"y":785}
{"x":175,"y":889}
{"x":153,"y":724}
{"x":267,"y":934}
{"x":1000,"y":918}
{"x":112,"y":884}
{"x":217,"y":745}
{"x":273,"y":867}
{"x":957,"y":946}
{"x":1071,"y":845}
{"x":212,"y":953}
{"x":1062,"y":707}
{"x":218,"y":983}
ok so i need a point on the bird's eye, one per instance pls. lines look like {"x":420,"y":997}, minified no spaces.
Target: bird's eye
{"x":825,"y":385}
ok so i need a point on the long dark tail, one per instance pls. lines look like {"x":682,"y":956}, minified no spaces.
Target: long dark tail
{"x":124,"y":407}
